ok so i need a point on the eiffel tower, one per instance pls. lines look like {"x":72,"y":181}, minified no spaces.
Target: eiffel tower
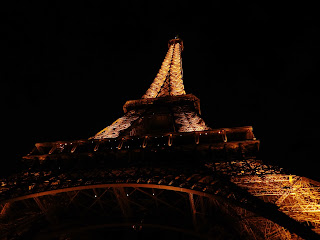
{"x":157,"y":172}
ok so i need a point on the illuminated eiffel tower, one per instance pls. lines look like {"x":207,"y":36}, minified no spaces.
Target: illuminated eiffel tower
{"x":158,"y":172}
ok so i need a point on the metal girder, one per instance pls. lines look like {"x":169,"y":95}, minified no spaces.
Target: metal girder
{"x":193,"y":210}
{"x":121,"y":197}
{"x":287,"y":192}
{"x":4,"y":208}
{"x":295,"y":196}
{"x":40,"y":205}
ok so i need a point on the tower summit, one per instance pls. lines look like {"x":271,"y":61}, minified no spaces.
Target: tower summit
{"x":169,"y":80}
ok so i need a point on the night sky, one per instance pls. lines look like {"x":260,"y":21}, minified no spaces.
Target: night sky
{"x":70,"y":68}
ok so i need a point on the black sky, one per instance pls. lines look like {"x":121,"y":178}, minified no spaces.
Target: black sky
{"x":70,"y":68}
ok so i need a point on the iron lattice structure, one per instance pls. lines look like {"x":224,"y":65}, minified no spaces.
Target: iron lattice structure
{"x":161,"y":172}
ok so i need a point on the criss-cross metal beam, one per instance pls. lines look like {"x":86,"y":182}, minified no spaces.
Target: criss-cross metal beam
{"x":160,"y":200}
{"x":98,"y":197}
{"x":75,"y":194}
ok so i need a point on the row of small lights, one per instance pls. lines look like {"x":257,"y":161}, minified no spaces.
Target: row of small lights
{"x":126,"y":195}
{"x":115,"y":140}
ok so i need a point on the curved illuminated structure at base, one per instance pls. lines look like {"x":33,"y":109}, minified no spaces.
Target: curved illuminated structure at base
{"x":191,"y":200}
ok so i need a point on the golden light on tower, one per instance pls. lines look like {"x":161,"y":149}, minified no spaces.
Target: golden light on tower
{"x":169,"y":80}
{"x":161,"y":76}
{"x":167,"y":83}
{"x":161,"y":143}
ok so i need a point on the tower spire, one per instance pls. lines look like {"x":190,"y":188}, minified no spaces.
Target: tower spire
{"x":169,"y":80}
